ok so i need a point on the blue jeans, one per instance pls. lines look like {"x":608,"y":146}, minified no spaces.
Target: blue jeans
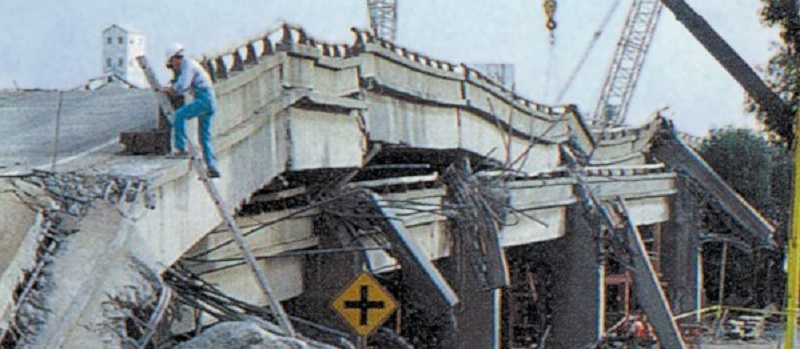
{"x":203,"y":106}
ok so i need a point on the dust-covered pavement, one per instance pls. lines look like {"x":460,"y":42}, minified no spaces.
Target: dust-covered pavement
{"x":770,"y":345}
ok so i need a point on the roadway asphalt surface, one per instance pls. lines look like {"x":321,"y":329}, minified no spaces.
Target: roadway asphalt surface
{"x":87,"y":120}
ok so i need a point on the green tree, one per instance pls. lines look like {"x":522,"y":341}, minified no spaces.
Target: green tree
{"x":782,"y":72}
{"x":744,"y":160}
{"x":761,"y":173}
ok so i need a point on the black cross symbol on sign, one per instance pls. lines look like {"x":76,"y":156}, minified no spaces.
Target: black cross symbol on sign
{"x":364,"y":304}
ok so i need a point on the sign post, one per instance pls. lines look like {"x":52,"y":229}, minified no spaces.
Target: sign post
{"x":793,"y":254}
{"x":364,"y":305}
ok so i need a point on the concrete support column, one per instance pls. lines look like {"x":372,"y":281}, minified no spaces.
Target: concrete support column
{"x":477,"y":315}
{"x":324,"y":276}
{"x":577,"y":285}
{"x":680,"y":241}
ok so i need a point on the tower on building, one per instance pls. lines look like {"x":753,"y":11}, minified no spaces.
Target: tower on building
{"x":120,"y":49}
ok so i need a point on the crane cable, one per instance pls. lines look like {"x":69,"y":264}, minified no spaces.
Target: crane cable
{"x":549,"y":70}
{"x":549,"y":7}
{"x":589,"y":48}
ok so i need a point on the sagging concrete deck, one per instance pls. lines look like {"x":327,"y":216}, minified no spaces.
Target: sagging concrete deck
{"x":304,"y":107}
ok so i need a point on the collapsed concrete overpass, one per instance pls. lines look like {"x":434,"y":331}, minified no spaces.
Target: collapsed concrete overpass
{"x":319,"y":144}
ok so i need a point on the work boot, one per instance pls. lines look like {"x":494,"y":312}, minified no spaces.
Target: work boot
{"x":212,"y":173}
{"x":179,"y":154}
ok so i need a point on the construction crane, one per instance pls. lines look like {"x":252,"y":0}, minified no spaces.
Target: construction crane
{"x":629,"y":57}
{"x":383,"y":18}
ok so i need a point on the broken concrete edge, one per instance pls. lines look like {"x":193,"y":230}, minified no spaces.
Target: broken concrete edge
{"x":63,"y":199}
{"x":144,"y":297}
{"x":73,"y":192}
{"x":18,"y":273}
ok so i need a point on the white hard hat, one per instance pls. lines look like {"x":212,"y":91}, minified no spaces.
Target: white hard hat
{"x":172,"y":51}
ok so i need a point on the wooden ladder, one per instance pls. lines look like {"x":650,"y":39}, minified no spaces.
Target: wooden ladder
{"x":222,"y":208}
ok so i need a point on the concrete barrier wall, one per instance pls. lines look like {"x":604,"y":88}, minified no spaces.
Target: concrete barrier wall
{"x":246,"y":92}
{"x":410,"y":78}
{"x":336,"y":77}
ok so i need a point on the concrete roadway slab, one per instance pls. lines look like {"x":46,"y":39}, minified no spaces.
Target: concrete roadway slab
{"x":88,"y":120}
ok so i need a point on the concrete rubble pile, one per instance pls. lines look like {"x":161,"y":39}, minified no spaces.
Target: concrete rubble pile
{"x":250,"y":335}
{"x":139,"y":312}
{"x":61,"y":201}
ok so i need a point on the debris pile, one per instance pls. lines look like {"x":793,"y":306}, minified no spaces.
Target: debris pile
{"x":242,"y":324}
{"x":243,"y":334}
{"x":68,"y":198}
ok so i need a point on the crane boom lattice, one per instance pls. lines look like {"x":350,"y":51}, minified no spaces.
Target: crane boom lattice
{"x":383,"y":18}
{"x":629,"y":57}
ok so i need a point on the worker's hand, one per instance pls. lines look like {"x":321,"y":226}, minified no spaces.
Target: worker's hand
{"x":168,"y":90}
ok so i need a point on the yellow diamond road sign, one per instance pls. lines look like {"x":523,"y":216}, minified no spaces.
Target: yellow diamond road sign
{"x":364,"y":304}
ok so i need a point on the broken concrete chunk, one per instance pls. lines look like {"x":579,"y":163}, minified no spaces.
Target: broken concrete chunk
{"x":239,"y":335}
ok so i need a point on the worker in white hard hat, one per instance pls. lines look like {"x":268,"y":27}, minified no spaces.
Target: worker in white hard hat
{"x":192,"y":78}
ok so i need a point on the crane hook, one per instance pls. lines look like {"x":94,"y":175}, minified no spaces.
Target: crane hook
{"x":550,"y":11}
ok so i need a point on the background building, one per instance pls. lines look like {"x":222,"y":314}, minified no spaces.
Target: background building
{"x":120,"y":49}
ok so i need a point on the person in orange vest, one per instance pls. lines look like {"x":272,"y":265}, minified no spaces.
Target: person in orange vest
{"x":641,"y":333}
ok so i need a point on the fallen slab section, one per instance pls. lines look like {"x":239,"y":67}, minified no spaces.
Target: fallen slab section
{"x":405,"y":249}
{"x":234,"y":335}
{"x":681,"y":158}
{"x":646,"y":284}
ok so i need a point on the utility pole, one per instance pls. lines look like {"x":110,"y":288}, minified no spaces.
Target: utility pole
{"x":793,"y":258}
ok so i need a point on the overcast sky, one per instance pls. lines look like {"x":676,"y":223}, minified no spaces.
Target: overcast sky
{"x":57,"y":43}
